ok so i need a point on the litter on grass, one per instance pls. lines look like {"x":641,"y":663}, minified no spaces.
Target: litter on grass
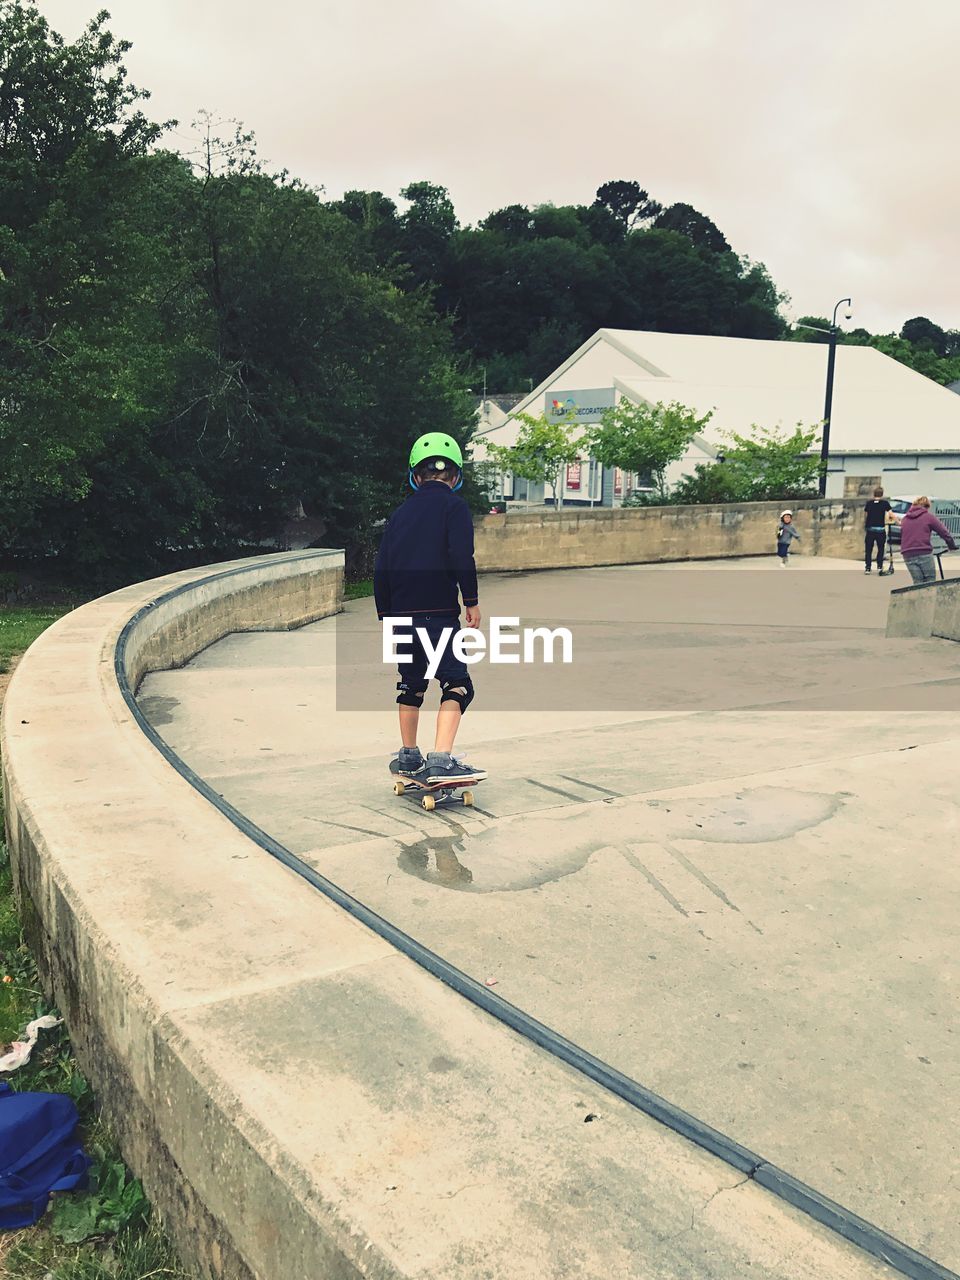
{"x":18,"y":1053}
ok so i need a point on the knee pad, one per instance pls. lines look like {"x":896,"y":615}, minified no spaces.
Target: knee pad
{"x":411,"y":692}
{"x":459,"y":691}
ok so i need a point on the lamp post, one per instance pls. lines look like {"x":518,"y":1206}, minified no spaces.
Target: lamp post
{"x":828,"y":402}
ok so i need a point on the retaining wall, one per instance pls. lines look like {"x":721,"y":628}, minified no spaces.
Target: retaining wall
{"x":925,"y":609}
{"x":580,"y":537}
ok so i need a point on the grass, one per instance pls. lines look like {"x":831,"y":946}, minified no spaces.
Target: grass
{"x":106,"y":1232}
{"x":358,"y":590}
{"x":20,"y":626}
{"x":128,"y":1255}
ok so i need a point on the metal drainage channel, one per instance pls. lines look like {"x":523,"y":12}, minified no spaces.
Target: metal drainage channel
{"x":871,"y":1239}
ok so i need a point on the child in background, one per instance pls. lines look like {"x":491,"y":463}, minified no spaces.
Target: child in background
{"x":785,"y":535}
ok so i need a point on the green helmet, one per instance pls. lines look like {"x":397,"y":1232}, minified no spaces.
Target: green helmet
{"x":436,"y":444}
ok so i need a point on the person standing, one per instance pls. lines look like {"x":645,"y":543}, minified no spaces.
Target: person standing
{"x":915,"y":546}
{"x":875,"y":529}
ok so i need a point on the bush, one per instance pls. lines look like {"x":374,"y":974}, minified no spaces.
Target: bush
{"x":767,"y":467}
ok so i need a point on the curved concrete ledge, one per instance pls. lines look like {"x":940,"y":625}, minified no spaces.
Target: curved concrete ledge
{"x":301,"y":1100}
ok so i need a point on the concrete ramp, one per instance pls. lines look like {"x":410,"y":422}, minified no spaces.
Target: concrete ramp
{"x":730,"y":907}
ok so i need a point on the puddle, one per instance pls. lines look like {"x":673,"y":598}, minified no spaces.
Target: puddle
{"x":504,"y":858}
{"x":533,"y":850}
{"x":158,"y":708}
{"x":750,"y":816}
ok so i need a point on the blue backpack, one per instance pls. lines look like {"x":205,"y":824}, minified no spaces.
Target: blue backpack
{"x":40,"y":1152}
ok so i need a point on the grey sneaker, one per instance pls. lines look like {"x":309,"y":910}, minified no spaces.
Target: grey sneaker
{"x":441,"y":766}
{"x":407,"y":761}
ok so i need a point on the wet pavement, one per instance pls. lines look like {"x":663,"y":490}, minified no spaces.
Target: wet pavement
{"x":751,"y":910}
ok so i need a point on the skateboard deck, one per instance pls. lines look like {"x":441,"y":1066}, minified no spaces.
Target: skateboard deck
{"x":434,"y":793}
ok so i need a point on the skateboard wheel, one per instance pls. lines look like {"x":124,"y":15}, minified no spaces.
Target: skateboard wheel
{"x":468,"y":798}
{"x":428,"y":803}
{"x":398,"y":788}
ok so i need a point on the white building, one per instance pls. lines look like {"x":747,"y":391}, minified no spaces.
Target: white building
{"x":887,"y":420}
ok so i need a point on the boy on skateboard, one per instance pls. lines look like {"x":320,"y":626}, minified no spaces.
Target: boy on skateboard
{"x":425,"y":563}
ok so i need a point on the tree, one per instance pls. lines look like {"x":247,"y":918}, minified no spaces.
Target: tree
{"x":922,"y":345}
{"x":629,"y":203}
{"x":77,"y":353}
{"x":920,"y":358}
{"x":645,"y":438}
{"x":189,"y":350}
{"x":812,"y":329}
{"x":925,"y":335}
{"x":376,"y":216}
{"x":665,"y":283}
{"x":313,"y":374}
{"x":427,"y":226}
{"x":541,"y":453}
{"x":513,"y":297}
{"x":765,"y":467}
{"x":698,"y":228}
{"x":515,"y":222}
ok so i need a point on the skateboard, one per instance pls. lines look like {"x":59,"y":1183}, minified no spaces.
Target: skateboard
{"x":434,"y":793}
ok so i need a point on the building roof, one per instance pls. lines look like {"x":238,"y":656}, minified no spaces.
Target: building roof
{"x":878,"y":404}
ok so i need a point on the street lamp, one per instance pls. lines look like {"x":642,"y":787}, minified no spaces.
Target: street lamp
{"x":828,"y":402}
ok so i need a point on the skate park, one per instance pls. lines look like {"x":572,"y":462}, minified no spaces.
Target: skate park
{"x":717,"y":861}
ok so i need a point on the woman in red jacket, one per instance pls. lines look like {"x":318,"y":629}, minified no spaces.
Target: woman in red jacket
{"x":915,"y":529}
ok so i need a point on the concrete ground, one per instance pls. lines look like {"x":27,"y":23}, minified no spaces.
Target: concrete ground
{"x":745,"y":897}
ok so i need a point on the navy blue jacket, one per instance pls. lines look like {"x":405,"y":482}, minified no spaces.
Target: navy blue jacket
{"x":425,"y":554}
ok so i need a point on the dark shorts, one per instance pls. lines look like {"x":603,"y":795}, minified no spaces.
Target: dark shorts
{"x":783,"y":550}
{"x":414,"y":672}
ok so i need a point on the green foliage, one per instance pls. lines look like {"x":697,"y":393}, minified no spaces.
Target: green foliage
{"x":924,"y":335}
{"x":628,"y":202}
{"x":19,"y":627}
{"x":426,"y":227}
{"x":698,"y":228}
{"x":115,"y":1201}
{"x":68,"y":163}
{"x":765,"y":467}
{"x":645,"y":438}
{"x":921,"y":345}
{"x":528,"y":286}
{"x":136,"y":1254}
{"x":16,"y":974}
{"x":923,"y":359}
{"x":192,"y":349}
{"x":541,"y":452}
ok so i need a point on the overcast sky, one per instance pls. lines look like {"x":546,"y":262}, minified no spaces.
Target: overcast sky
{"x":821,"y":137}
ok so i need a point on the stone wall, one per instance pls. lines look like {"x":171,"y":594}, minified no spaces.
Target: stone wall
{"x":580,"y":537}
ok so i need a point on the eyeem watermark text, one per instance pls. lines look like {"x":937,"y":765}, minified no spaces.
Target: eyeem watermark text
{"x":507,"y":644}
